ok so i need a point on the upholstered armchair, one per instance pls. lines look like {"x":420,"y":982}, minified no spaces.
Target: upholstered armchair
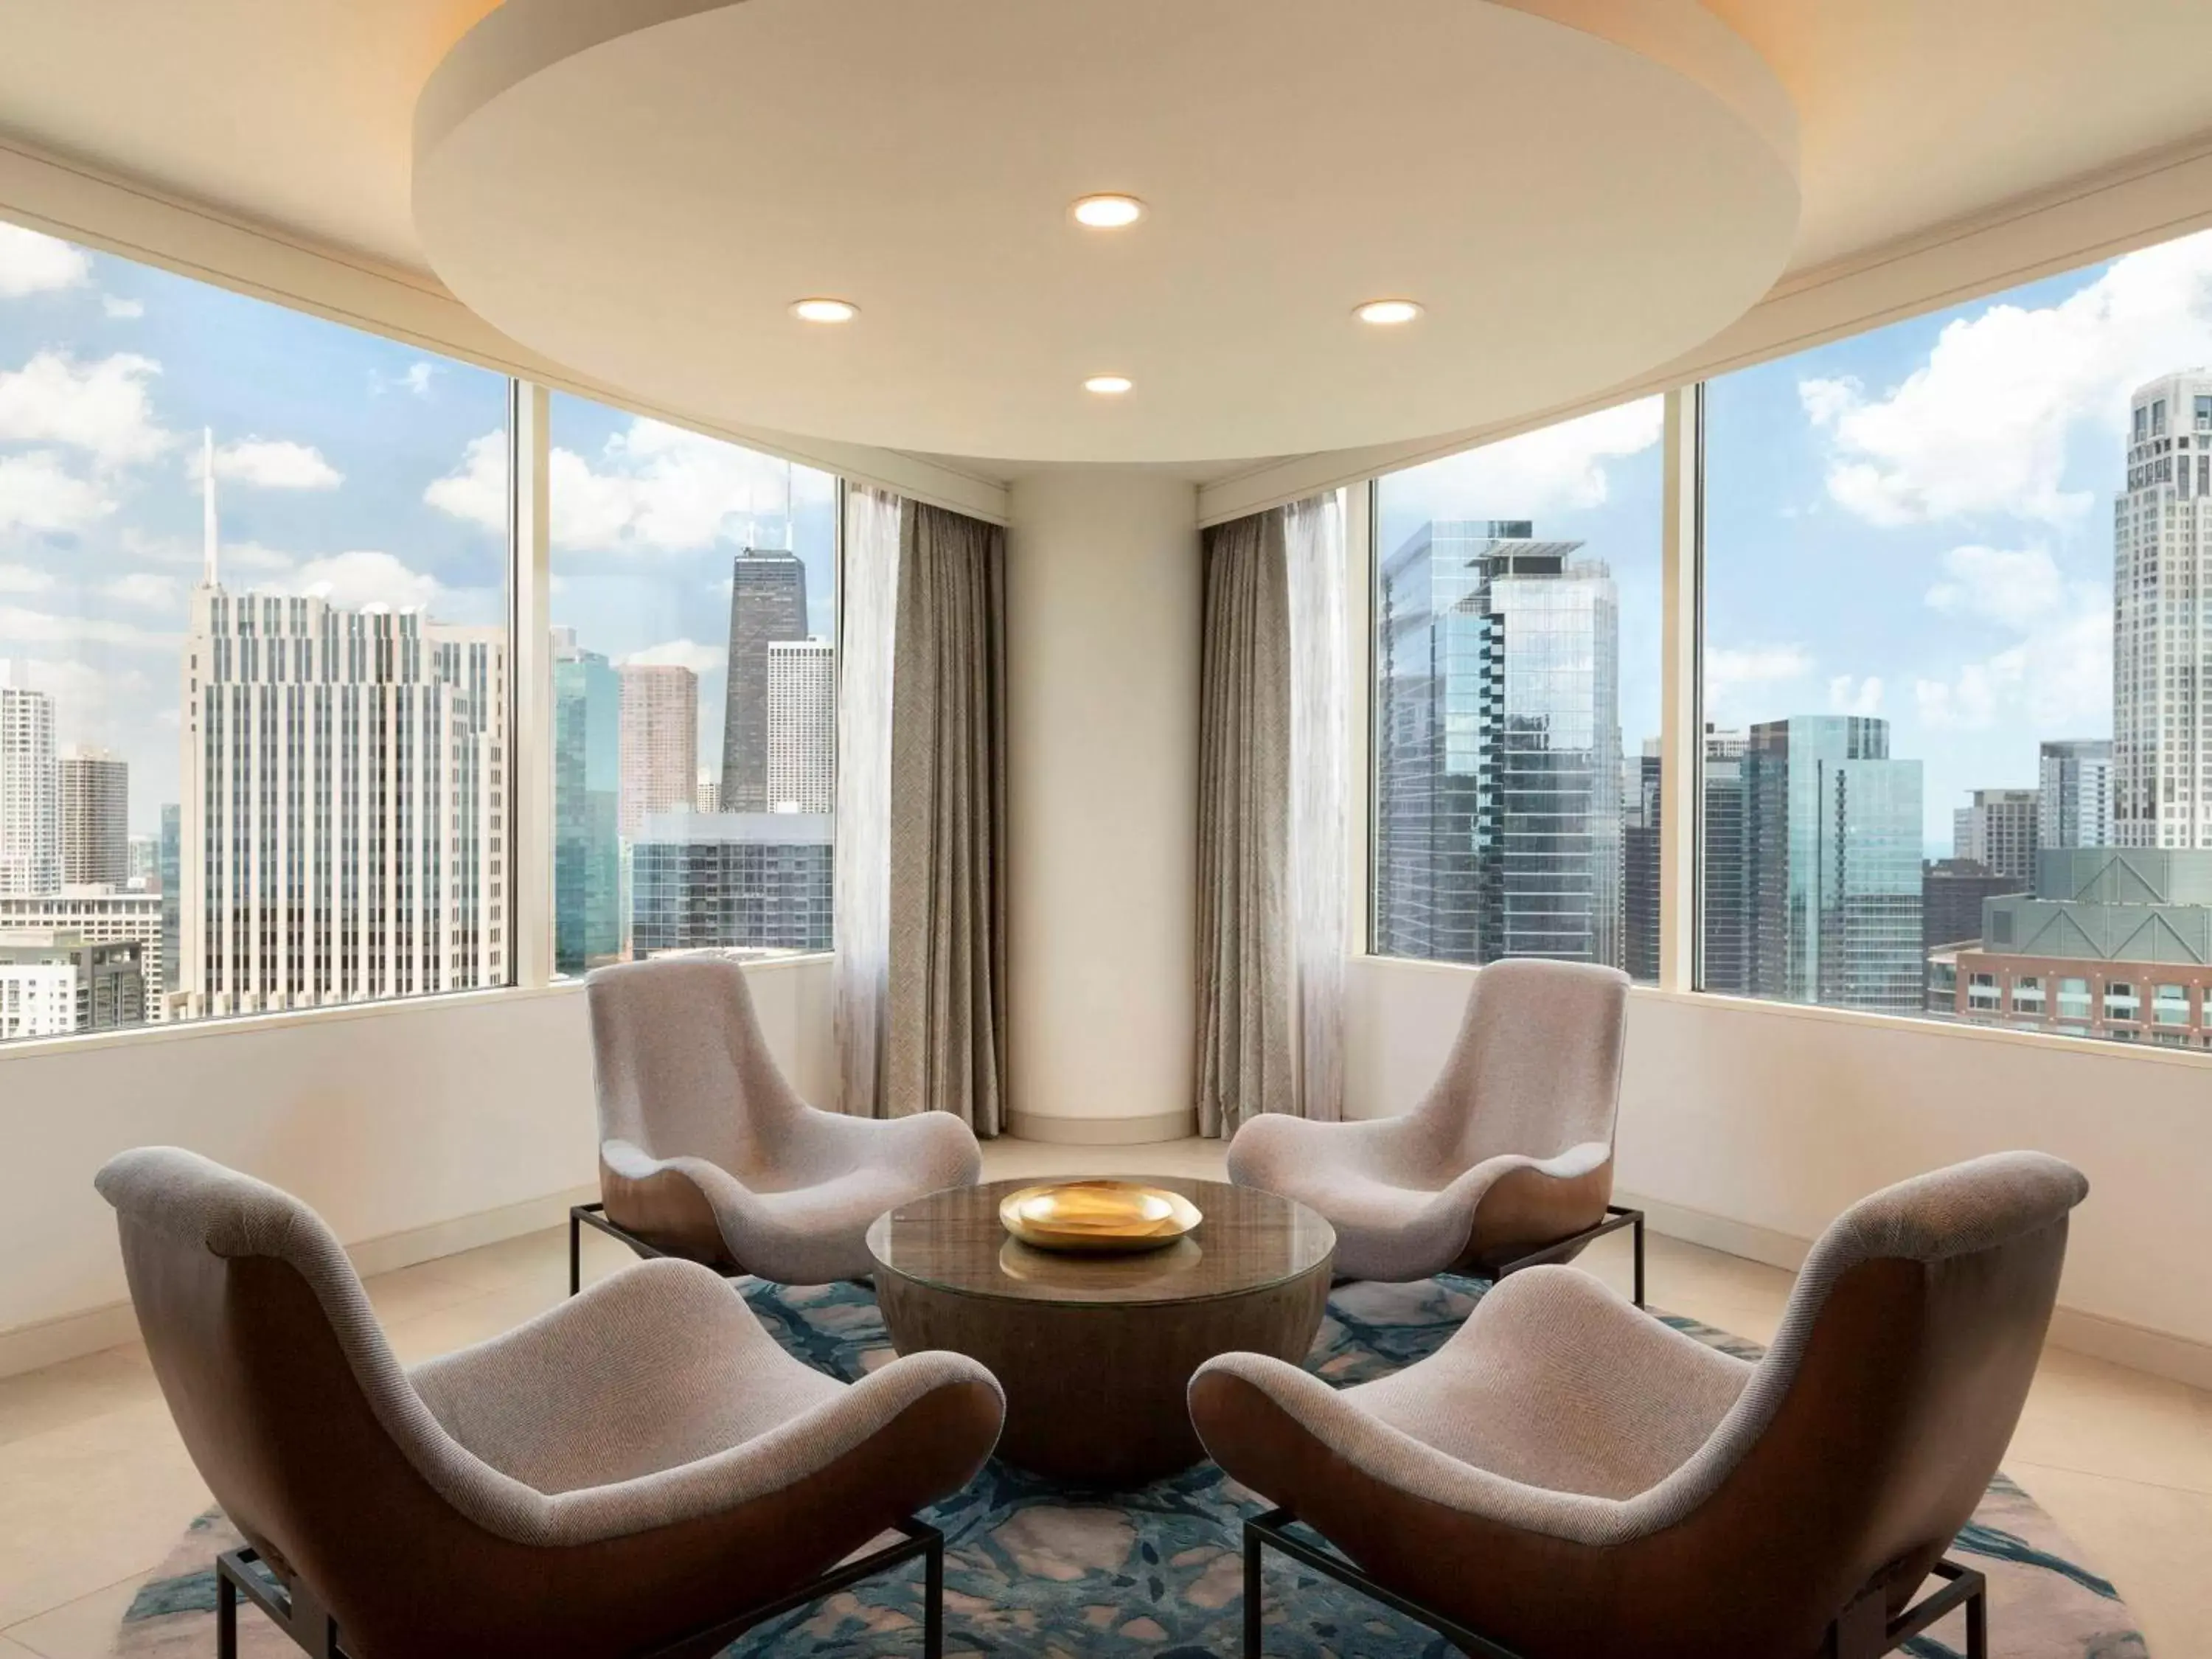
{"x":1573,"y":1479}
{"x":1510,"y":1152}
{"x":706,"y":1152}
{"x":642,"y":1469}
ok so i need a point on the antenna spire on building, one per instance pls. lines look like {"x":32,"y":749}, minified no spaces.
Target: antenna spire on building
{"x":208,"y":572}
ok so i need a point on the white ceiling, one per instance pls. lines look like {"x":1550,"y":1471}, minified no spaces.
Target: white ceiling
{"x":297,"y":113}
{"x":642,"y":195}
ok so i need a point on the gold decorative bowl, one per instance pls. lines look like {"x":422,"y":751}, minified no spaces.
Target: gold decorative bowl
{"x":1098,"y":1217}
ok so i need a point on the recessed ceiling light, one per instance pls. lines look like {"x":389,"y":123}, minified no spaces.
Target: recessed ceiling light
{"x":825,"y":311}
{"x":1388,"y":314}
{"x":1108,"y":386}
{"x":1108,"y":212}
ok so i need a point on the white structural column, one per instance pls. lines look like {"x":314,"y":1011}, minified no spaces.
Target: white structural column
{"x":530,"y":757}
{"x":1103,"y":602}
{"x":1681,"y":702}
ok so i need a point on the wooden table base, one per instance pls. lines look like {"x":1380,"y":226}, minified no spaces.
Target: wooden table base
{"x":1096,"y":1392}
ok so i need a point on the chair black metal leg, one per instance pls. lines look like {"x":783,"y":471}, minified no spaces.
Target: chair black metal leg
{"x":226,"y":1615}
{"x":576,"y":1253}
{"x":933,"y":1592}
{"x":1977,"y":1624}
{"x":1637,"y":1235}
{"x":1254,"y":1542}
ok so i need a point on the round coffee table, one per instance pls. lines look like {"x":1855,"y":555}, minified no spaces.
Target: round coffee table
{"x":1095,"y":1352}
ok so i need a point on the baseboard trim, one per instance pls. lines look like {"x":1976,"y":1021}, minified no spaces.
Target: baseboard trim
{"x":1102,"y":1131}
{"x":71,"y":1336}
{"x":2160,"y":1354}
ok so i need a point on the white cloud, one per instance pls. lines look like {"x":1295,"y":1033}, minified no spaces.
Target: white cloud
{"x":120,"y":309}
{"x":476,"y":490}
{"x":102,"y":408}
{"x":25,"y":627}
{"x":679,"y":653}
{"x":149,"y":588}
{"x":1553,"y":469}
{"x":39,"y":494}
{"x":365,"y":577}
{"x":33,"y":264}
{"x":1848,"y":696}
{"x":1982,"y":426}
{"x":21,"y":579}
{"x":418,"y":377}
{"x":1732,"y":675}
{"x":2058,"y":671}
{"x":273,"y":464}
{"x":97,"y":703}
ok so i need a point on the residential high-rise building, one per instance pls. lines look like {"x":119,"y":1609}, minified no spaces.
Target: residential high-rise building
{"x":2074,"y":806}
{"x":756,"y":881}
{"x":2162,"y":544}
{"x":587,"y":918}
{"x":1639,"y":860}
{"x":768,"y":605}
{"x":660,"y":742}
{"x":1497,"y":734}
{"x":30,"y":802}
{"x":708,"y":796}
{"x":95,"y":807}
{"x":802,"y":726}
{"x":343,"y":831}
{"x":1833,"y":844}
{"x":145,"y":858}
{"x":1725,"y":963}
{"x":54,"y":985}
{"x":2000,"y":831}
{"x":97,"y":915}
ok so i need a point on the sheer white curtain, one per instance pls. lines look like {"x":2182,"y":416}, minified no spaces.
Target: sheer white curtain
{"x":860,"y":903}
{"x":1320,"y":796}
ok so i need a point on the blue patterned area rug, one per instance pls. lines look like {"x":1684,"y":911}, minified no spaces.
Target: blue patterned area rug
{"x":1034,"y":1572}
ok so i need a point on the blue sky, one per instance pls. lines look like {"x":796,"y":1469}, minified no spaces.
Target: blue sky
{"x":1915,"y":522}
{"x":346,"y":465}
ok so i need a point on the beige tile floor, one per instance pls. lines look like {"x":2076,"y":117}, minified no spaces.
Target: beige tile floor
{"x":95,"y":1487}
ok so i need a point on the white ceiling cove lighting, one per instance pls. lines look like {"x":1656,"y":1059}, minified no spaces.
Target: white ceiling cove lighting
{"x":1389,"y":313}
{"x":585,"y":183}
{"x":825,"y":311}
{"x":1108,"y":386}
{"x":1108,"y":212}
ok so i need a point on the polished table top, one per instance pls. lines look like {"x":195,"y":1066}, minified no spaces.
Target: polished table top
{"x":954,"y":1241}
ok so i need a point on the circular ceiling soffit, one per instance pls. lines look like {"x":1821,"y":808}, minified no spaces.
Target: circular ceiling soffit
{"x":1574,"y":192}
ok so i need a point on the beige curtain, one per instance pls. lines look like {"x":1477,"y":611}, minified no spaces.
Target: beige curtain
{"x":1247,"y":994}
{"x":944,"y":1027}
{"x":860,"y":896}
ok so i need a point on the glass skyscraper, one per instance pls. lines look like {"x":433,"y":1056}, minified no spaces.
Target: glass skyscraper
{"x":1831,"y":844}
{"x":587,"y":919}
{"x":768,"y":606}
{"x":1497,"y":734}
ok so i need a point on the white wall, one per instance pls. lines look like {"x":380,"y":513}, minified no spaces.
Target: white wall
{"x":1103,"y":597}
{"x":1750,"y":1126}
{"x":414,"y":1128}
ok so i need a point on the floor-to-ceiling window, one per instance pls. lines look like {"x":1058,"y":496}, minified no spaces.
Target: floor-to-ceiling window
{"x":1515,"y":699}
{"x":695,"y":606}
{"x":253,"y":662}
{"x":1958,"y":661}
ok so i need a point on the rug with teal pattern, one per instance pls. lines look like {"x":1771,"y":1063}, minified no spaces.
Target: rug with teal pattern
{"x":1033,"y":1571}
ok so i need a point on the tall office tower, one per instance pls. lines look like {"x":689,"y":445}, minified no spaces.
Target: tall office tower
{"x":1639,"y":859}
{"x":1832,"y":844}
{"x":2162,"y":634}
{"x":587,"y":918}
{"x":2074,"y":804}
{"x":767,"y":604}
{"x":733,"y":881}
{"x":172,"y":897}
{"x":659,"y":743}
{"x":2000,"y":831}
{"x":802,"y":726}
{"x":145,"y":859}
{"x":342,"y":835}
{"x":708,"y":797}
{"x":1725,"y":962}
{"x":30,"y":803}
{"x":96,"y":808}
{"x":1498,"y":730}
